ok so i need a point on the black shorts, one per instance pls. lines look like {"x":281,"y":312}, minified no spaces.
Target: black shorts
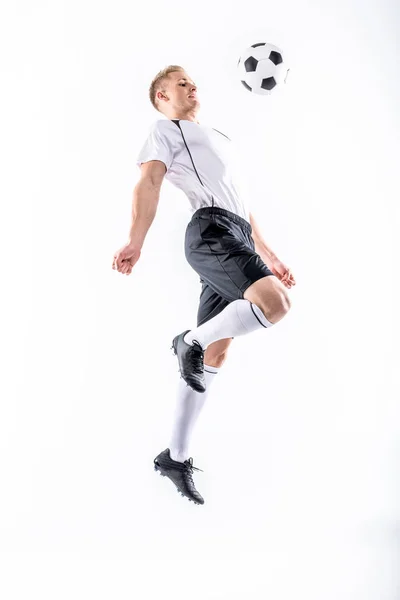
{"x":220,"y":248}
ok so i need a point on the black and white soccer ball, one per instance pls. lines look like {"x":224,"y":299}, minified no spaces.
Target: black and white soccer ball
{"x":262,"y":67}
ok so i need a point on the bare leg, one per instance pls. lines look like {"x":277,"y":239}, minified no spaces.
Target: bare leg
{"x":271,"y":296}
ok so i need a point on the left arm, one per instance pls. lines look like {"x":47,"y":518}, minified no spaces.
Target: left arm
{"x":269,"y":257}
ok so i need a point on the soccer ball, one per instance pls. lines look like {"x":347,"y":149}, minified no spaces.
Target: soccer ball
{"x":261,"y":68}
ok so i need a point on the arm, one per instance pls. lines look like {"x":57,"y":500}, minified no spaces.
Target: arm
{"x":261,"y":246}
{"x":144,"y":208}
{"x":145,"y":200}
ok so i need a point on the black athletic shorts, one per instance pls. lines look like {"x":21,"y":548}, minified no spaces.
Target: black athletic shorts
{"x":220,"y":248}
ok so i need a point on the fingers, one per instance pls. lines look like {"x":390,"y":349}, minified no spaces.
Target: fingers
{"x":288,"y":280}
{"x":117,"y":260}
{"x":126,"y":268}
{"x":122,"y":266}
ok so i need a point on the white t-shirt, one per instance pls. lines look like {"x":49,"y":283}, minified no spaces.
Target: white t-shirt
{"x":214,"y":158}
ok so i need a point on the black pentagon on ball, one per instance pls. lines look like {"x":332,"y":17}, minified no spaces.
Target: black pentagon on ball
{"x":268,"y":84}
{"x":246,"y":85}
{"x":275,"y":57}
{"x":250,"y":64}
{"x":256,"y":45}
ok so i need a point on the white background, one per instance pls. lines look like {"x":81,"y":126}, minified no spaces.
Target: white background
{"x":299,"y":439}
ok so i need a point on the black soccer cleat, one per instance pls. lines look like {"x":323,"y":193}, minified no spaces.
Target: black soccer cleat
{"x":191,"y":362}
{"x":180,"y":474}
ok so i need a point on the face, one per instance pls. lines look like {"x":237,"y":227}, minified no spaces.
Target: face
{"x":180,"y":96}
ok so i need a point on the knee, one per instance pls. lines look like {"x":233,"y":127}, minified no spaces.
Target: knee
{"x":286,"y":302}
{"x":277,"y":306}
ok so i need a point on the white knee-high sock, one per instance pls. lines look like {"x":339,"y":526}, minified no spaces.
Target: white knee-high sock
{"x":238,"y":318}
{"x":188,"y":408}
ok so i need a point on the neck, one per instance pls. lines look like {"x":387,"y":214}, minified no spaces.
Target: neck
{"x":191,"y":117}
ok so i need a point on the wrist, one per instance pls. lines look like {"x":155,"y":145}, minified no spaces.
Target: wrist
{"x":135,"y":240}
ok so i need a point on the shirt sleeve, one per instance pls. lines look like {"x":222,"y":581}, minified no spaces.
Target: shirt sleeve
{"x":156,"y":147}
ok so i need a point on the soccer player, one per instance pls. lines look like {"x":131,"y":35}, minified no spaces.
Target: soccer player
{"x":244,"y":284}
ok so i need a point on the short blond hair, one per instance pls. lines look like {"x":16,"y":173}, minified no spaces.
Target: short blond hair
{"x":158,"y":83}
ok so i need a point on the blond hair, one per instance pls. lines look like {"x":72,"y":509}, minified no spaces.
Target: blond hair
{"x":159,"y":81}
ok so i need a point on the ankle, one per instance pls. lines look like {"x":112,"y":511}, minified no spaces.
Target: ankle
{"x":178,"y":456}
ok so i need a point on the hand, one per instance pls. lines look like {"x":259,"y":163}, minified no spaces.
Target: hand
{"x":126,"y":258}
{"x":282,"y":272}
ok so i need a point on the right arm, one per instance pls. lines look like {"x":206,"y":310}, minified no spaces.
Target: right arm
{"x":144,"y":207}
{"x":146,"y":195}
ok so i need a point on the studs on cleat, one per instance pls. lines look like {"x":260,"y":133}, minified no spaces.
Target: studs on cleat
{"x":157,"y":468}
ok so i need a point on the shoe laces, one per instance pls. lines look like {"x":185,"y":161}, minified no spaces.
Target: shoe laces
{"x":190,"y":468}
{"x":197,"y":357}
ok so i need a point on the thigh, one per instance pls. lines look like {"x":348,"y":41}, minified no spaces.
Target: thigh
{"x":210,"y":304}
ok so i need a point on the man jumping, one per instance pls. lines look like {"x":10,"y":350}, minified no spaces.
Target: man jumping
{"x":244,"y":285}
